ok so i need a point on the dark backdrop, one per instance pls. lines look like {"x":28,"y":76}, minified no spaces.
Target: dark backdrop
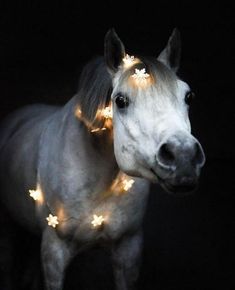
{"x":189,"y":242}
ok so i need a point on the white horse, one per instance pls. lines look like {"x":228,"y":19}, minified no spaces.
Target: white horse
{"x":129,"y":117}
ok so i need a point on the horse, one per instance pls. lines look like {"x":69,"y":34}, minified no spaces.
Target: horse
{"x":88,"y":165}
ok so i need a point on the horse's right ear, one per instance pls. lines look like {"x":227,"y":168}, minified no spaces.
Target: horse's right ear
{"x":114,"y":51}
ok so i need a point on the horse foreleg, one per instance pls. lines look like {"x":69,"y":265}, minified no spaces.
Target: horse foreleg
{"x":56,"y":255}
{"x":126,"y":256}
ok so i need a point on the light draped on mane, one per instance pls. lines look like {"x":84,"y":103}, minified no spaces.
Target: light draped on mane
{"x":94,"y":89}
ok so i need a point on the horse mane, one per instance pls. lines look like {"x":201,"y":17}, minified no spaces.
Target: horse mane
{"x":94,"y":89}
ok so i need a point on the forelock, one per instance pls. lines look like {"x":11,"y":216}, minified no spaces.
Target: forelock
{"x":162,"y":78}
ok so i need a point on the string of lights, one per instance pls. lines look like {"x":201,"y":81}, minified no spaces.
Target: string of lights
{"x":123,"y":183}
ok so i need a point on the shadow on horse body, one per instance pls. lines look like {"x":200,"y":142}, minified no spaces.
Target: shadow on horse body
{"x":74,"y":156}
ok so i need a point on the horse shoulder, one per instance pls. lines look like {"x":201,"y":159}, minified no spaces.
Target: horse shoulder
{"x":20,"y":133}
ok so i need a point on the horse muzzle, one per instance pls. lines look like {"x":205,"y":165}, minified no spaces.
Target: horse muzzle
{"x":178,"y":164}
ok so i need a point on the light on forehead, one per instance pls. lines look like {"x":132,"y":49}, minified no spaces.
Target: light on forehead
{"x":140,"y":78}
{"x":140,"y":74}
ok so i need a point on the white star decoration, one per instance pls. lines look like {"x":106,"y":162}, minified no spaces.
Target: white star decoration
{"x":128,"y":60}
{"x":35,"y":194}
{"x":97,"y":220}
{"x":127,"y":184}
{"x":140,"y":74}
{"x":107,"y":113}
{"x":52,"y":220}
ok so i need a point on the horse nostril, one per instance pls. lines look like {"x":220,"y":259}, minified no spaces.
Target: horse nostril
{"x":199,"y":157}
{"x":166,"y":155}
{"x":175,"y":154}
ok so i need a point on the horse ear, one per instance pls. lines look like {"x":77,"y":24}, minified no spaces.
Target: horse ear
{"x":171,"y":54}
{"x":114,"y":50}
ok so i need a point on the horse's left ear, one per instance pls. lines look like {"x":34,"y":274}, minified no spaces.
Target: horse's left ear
{"x":114,"y":50}
{"x":171,"y":54}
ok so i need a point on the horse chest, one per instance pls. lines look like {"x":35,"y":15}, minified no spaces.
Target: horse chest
{"x":121,"y":216}
{"x":108,"y":219}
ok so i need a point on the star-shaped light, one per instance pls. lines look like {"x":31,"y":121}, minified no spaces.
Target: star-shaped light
{"x":128,"y":60}
{"x":107,"y":112}
{"x":97,"y":220}
{"x":140,"y":74}
{"x":52,"y":220}
{"x":35,"y":194}
{"x":127,"y":184}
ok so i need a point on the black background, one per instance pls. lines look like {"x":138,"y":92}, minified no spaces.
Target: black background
{"x":189,"y":242}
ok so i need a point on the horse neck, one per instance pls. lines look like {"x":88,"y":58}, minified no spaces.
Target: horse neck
{"x":85,"y":151}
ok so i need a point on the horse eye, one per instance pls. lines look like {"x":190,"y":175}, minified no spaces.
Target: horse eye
{"x":189,"y":97}
{"x":121,"y":101}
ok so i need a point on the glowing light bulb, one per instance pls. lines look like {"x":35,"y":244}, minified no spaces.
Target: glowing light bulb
{"x":35,"y":194}
{"x":98,"y":129}
{"x":97,"y":220}
{"x":127,"y":184}
{"x":78,"y":113}
{"x":52,"y":220}
{"x":107,"y":112}
{"x":128,"y":60}
{"x":140,"y":74}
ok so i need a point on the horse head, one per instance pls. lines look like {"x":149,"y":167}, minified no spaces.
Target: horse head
{"x":151,"y":127}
